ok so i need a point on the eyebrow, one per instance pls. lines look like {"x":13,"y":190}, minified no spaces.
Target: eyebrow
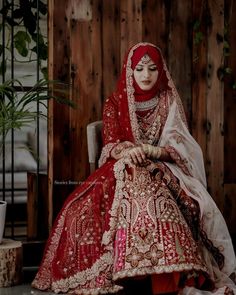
{"x":140,"y":64}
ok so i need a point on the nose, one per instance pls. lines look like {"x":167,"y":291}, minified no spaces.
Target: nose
{"x":146,"y":73}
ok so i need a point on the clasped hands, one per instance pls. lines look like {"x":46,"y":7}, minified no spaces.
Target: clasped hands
{"x":136,"y":154}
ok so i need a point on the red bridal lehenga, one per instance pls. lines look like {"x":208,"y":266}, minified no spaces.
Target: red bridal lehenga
{"x":130,"y":221}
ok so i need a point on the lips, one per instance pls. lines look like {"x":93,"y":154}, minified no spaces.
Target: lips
{"x":146,"y":82}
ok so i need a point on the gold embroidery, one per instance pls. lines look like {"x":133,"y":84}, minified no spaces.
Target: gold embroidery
{"x":154,"y":254}
{"x":134,"y":257}
{"x":105,"y":154}
{"x":83,"y":277}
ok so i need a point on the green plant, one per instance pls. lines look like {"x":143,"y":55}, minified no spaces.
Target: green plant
{"x":197,"y":33}
{"x":21,"y":19}
{"x":226,"y":71}
{"x":16,"y":110}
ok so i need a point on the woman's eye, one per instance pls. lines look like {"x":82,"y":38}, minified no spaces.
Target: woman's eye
{"x":139,"y":69}
{"x":153,"y":69}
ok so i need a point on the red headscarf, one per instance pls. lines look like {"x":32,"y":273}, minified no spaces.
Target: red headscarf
{"x":161,"y":83}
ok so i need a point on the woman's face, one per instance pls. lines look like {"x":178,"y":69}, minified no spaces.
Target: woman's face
{"x":146,"y":73}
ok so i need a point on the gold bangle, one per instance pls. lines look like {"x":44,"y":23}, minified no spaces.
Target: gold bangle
{"x":152,"y":151}
{"x":159,"y":152}
{"x":146,"y":149}
{"x":156,"y":152}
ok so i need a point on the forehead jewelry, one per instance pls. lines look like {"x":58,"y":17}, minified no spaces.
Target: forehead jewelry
{"x":145,"y":59}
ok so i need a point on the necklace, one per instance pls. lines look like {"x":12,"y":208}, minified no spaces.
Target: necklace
{"x":146,"y":105}
{"x":149,"y":126}
{"x":146,"y":117}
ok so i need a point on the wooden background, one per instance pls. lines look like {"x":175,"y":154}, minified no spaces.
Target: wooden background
{"x":87,"y":42}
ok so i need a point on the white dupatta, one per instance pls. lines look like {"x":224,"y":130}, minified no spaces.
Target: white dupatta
{"x":176,"y":134}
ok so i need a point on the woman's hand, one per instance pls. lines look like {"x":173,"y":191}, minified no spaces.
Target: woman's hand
{"x":136,"y":155}
{"x":121,"y":149}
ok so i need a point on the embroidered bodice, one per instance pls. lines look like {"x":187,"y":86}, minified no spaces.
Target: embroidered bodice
{"x":151,"y":116}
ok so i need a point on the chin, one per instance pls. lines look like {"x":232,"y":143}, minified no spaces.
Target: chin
{"x":146,"y":88}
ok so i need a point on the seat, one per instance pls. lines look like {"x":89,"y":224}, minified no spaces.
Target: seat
{"x":94,"y":141}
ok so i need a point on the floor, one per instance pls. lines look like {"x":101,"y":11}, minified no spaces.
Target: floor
{"x":131,"y":287}
{"x":25,"y":287}
{"x":22,"y":290}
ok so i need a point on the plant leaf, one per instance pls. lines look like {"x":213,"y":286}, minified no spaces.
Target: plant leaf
{"x":196,"y":25}
{"x":21,"y":39}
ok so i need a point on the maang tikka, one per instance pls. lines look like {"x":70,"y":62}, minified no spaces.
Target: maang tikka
{"x":145,"y":59}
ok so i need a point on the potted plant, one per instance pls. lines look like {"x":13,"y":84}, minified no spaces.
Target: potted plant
{"x":16,"y":111}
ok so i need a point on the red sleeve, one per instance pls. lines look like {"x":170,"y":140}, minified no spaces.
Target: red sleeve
{"x":111,"y":127}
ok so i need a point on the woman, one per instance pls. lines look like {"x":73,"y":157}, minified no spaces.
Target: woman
{"x":144,"y":218}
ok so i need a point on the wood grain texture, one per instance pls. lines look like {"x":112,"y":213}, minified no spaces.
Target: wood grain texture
{"x":215,"y":104}
{"x":10,"y":263}
{"x":230,"y":96}
{"x":130,"y":23}
{"x":199,"y":75}
{"x":59,"y":136}
{"x":37,"y":206}
{"x":155,"y":23}
{"x":179,"y":51}
{"x":230,"y":206}
{"x":111,"y":59}
{"x":86,"y":75}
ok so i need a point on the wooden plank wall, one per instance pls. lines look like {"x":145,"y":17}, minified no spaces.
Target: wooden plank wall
{"x":230,"y":121}
{"x":87,"y":43}
{"x":215,"y":102}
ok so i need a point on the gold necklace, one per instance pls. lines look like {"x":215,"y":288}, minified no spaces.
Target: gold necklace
{"x":149,"y":126}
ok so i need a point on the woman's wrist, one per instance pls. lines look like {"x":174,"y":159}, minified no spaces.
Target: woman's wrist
{"x":152,"y":151}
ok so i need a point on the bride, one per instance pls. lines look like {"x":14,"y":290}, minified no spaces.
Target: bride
{"x":143,"y":222}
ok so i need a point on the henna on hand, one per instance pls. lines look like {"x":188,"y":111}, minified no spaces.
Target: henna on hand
{"x":120,"y":149}
{"x":136,"y":155}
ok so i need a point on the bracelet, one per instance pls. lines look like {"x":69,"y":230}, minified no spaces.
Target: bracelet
{"x":152,"y":151}
{"x":156,"y":152}
{"x":146,"y":149}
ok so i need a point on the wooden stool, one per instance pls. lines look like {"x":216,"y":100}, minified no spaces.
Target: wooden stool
{"x":10,"y":263}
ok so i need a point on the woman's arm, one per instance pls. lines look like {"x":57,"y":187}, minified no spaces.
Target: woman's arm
{"x":114,"y":144}
{"x":156,"y":152}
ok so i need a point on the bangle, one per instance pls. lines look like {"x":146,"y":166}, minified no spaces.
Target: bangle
{"x":156,"y":152}
{"x":145,"y":148}
{"x":152,"y":151}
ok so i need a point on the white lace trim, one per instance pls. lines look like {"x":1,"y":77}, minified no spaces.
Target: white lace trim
{"x":106,"y":152}
{"x":118,"y":169}
{"x":82,"y":277}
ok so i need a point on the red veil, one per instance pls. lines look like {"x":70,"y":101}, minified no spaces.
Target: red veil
{"x":119,"y":111}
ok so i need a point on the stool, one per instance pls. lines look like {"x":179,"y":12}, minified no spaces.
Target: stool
{"x":11,"y":261}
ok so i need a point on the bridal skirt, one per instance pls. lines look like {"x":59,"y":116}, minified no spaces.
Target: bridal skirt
{"x":113,"y":229}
